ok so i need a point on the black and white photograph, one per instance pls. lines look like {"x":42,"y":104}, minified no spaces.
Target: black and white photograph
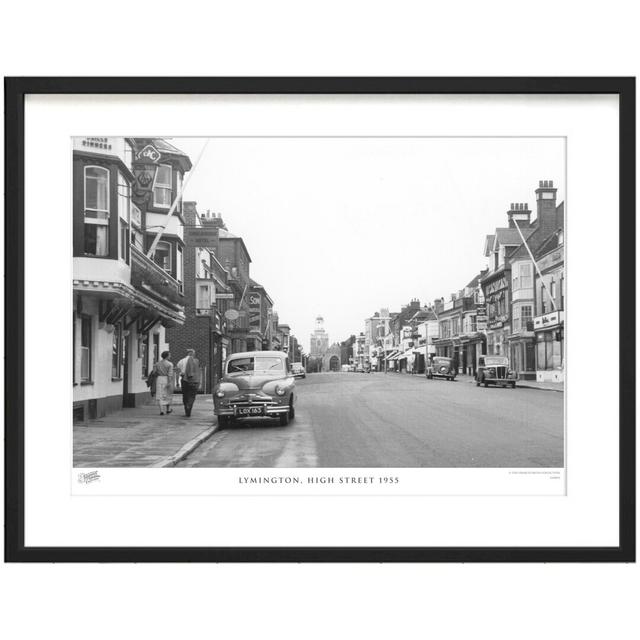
{"x":363,"y":318}
{"x":319,"y":302}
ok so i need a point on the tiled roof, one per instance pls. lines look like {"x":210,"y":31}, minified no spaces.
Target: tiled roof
{"x":509,"y":236}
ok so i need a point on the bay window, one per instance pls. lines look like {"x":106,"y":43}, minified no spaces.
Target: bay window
{"x":522,"y":316}
{"x":96,"y":211}
{"x":525,"y":276}
{"x":162,"y":256}
{"x":162,"y":187}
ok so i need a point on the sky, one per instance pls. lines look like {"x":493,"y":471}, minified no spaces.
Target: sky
{"x":342,"y":227}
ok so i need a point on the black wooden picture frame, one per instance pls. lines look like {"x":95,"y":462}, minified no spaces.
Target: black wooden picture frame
{"x":15,"y":91}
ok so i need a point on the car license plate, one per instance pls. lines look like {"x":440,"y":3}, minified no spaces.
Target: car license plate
{"x":250,"y":411}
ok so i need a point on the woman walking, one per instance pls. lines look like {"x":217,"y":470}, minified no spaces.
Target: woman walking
{"x":164,"y":382}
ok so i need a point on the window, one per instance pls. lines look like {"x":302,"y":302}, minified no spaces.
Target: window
{"x":552,"y":289}
{"x":136,"y":239}
{"x":144,"y":354}
{"x":203,"y":300}
{"x":116,"y":352}
{"x":560,"y":237}
{"x":162,"y":256}
{"x":162,"y":187}
{"x":179,"y":264}
{"x":85,"y":348}
{"x":136,"y":216}
{"x":96,"y":211}
{"x":549,"y":351}
{"x":178,"y":191}
{"x":522,"y":317}
{"x":156,"y":347}
{"x":128,"y":155}
{"x":96,"y":193}
{"x":124,"y":216}
{"x":526,"y":316}
{"x":525,"y":276}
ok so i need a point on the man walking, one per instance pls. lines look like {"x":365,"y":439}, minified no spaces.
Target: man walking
{"x":189,"y":369}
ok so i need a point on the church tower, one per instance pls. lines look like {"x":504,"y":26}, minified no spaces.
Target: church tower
{"x":319,"y":340}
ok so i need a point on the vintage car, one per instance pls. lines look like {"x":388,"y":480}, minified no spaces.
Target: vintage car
{"x":495,"y":370}
{"x":441,"y":367}
{"x":298,"y":370}
{"x":255,"y":384}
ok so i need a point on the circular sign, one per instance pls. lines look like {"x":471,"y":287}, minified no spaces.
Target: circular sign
{"x":231,"y":314}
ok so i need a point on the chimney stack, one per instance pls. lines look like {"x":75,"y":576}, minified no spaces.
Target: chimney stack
{"x":547,"y":217}
{"x":213,"y":219}
{"x":520,"y":213}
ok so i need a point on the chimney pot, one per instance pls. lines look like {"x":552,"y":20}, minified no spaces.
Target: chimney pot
{"x":526,"y":206}
{"x":551,"y":183}
{"x":540,"y":184}
{"x":512,"y":206}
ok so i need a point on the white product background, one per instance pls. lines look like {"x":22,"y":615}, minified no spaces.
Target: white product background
{"x":586,"y":516}
{"x":496,"y":37}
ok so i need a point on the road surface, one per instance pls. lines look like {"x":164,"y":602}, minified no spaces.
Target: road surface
{"x":397,"y":420}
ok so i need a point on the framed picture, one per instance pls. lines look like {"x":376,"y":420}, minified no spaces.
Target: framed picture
{"x":320,"y":319}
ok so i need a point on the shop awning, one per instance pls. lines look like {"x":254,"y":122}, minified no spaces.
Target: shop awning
{"x":421,"y":350}
{"x":407,"y":354}
{"x":393,"y":355}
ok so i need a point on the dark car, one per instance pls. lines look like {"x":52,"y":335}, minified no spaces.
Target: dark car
{"x":441,"y":367}
{"x":255,"y":384}
{"x":298,"y":370}
{"x":495,"y":370}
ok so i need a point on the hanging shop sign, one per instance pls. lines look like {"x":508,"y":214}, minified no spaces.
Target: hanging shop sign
{"x":149,"y":154}
{"x":255,"y":315}
{"x":200,"y":236}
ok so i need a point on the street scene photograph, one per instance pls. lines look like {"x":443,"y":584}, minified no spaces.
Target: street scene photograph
{"x":318,"y":302}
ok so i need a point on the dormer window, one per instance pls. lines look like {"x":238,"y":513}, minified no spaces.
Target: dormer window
{"x":162,"y":187}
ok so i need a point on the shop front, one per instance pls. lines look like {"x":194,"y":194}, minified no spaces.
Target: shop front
{"x":471,"y":348}
{"x":522,"y":357}
{"x":549,"y":346}
{"x":449,"y":348}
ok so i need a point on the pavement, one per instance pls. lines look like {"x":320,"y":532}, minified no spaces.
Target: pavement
{"x":141,"y":437}
{"x":396,"y":420}
{"x":524,"y":384}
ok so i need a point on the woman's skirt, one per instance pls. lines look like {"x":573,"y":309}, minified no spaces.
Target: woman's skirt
{"x":164,"y":392}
